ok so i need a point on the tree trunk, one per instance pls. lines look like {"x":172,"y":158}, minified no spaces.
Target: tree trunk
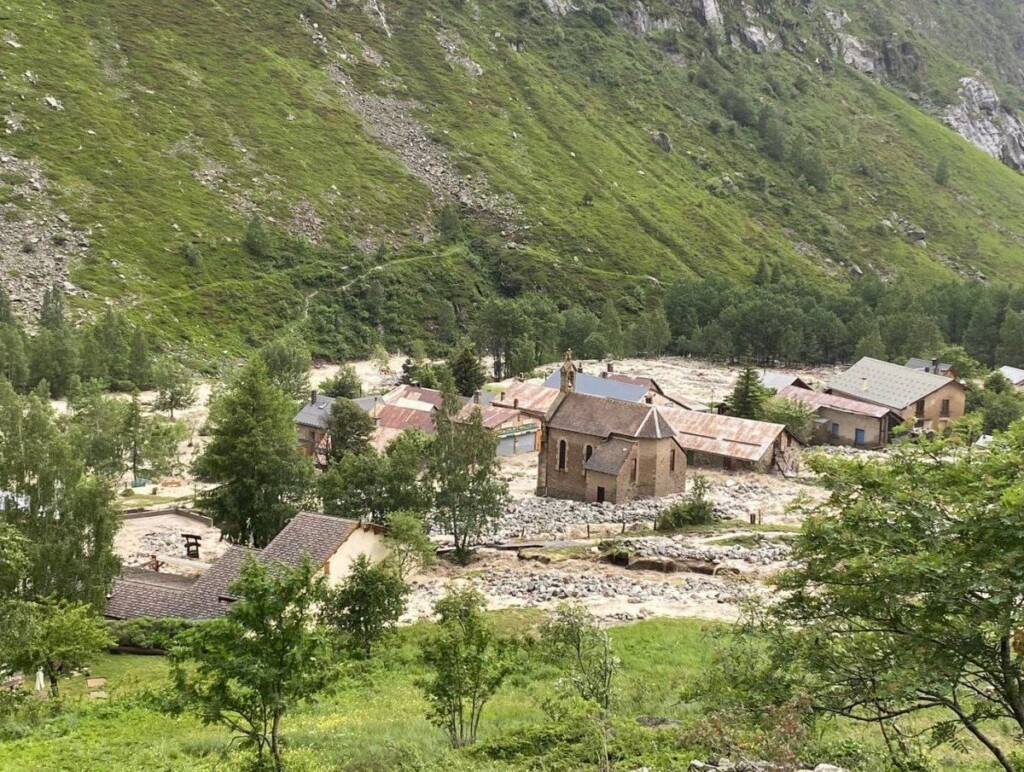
{"x":275,"y":747}
{"x":53,"y":683}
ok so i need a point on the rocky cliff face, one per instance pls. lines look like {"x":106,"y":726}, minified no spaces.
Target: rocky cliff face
{"x":985,"y":123}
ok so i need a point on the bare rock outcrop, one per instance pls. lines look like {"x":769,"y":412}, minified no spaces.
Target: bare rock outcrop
{"x":986,"y":124}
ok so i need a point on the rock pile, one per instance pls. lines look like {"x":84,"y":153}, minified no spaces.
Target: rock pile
{"x":38,"y":243}
{"x":764,"y":554}
{"x":547,"y":586}
{"x":393,"y":122}
{"x":536,"y":517}
{"x":725,"y":765}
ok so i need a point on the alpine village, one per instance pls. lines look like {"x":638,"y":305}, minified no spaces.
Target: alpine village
{"x":553,"y":385}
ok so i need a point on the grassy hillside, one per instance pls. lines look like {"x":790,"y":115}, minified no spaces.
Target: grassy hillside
{"x":376,"y":720}
{"x":182,"y":120}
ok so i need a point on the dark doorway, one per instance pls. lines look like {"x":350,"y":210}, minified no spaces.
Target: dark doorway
{"x":600,"y":494}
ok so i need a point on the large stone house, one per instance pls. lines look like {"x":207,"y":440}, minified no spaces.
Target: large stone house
{"x":929,"y":401}
{"x":330,"y":542}
{"x":602,"y":449}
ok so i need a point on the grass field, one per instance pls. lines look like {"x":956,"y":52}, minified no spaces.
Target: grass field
{"x":376,"y":719}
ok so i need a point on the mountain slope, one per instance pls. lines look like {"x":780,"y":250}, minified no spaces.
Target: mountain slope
{"x":350,"y":124}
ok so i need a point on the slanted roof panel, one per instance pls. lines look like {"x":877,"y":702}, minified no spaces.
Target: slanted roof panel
{"x":314,"y":415}
{"x":1014,"y":374}
{"x":602,"y":417}
{"x":722,"y":435}
{"x":594,"y":386}
{"x":895,"y":386}
{"x":815,"y":399}
{"x":609,"y":456}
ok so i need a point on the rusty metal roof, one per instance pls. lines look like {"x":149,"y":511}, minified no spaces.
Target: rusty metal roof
{"x":532,"y":398}
{"x":397,"y":417}
{"x":492,"y":415}
{"x":432,"y":397}
{"x":722,"y":435}
{"x":815,"y":399}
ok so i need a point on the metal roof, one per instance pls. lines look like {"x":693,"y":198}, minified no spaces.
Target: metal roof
{"x":815,"y":399}
{"x":895,"y":386}
{"x":532,"y":398}
{"x":432,"y":397}
{"x":315,"y":414}
{"x":778,"y":381}
{"x":916,"y":363}
{"x":1014,"y":374}
{"x":609,"y":456}
{"x":721,"y":435}
{"x":601,"y":387}
{"x":603,"y":417}
{"x":492,"y":416}
{"x":399,"y":417}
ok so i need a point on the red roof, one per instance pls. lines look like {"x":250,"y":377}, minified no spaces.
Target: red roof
{"x":492,"y":416}
{"x":395,"y":417}
{"x":814,"y":400}
{"x":529,"y":397}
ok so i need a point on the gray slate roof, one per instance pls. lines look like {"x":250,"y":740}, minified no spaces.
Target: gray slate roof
{"x":601,"y":387}
{"x":916,"y":363}
{"x":315,"y":415}
{"x":779,"y":381}
{"x":319,"y":536}
{"x":136,"y":595}
{"x":883,"y":383}
{"x":609,"y":456}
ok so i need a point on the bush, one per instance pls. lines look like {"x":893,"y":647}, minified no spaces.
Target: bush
{"x":145,"y":633}
{"x":192,"y":255}
{"x":696,"y":510}
{"x":601,"y":16}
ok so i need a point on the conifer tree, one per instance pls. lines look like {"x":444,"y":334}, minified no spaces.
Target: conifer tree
{"x":253,"y":458}
{"x":466,"y":370}
{"x":748,"y":396}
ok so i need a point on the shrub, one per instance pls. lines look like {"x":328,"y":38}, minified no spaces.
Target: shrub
{"x":696,"y":510}
{"x":145,"y":633}
{"x":192,"y":255}
{"x":601,"y":16}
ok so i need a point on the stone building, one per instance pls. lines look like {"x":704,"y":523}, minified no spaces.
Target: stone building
{"x":603,"y":449}
{"x":928,"y":401}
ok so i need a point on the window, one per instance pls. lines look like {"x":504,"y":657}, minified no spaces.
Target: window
{"x":672,"y":460}
{"x":945,"y":408}
{"x":835,"y":430}
{"x":919,"y":409}
{"x":632,"y":471}
{"x":588,"y":452}
{"x":561,"y":455}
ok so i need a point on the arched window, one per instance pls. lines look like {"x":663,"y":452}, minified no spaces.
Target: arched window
{"x":561,"y":455}
{"x":588,"y":453}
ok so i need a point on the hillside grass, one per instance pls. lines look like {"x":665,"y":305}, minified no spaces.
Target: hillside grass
{"x":377,"y":718}
{"x":157,"y":96}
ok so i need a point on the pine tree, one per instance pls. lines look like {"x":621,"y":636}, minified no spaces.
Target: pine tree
{"x":174,"y":385}
{"x":748,"y":396}
{"x":871,"y":345}
{"x":253,"y":458}
{"x":349,"y":428}
{"x":762,"y":275}
{"x":1011,"y":340}
{"x":467,"y":370}
{"x":140,"y":371}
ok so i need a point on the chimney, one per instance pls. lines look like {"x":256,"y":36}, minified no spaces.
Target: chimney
{"x":649,"y":399}
{"x":863,"y":384}
{"x":611,"y":367}
{"x":501,"y":398}
{"x":515,"y":402}
{"x":312,"y":397}
{"x":476,"y":397}
{"x":935,"y":365}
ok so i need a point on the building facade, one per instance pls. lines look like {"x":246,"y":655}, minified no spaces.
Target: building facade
{"x":601,"y":449}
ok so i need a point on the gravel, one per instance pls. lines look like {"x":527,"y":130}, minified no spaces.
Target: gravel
{"x":763,"y":554}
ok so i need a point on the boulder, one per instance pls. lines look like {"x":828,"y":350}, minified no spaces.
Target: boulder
{"x":662,"y":140}
{"x":665,"y":565}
